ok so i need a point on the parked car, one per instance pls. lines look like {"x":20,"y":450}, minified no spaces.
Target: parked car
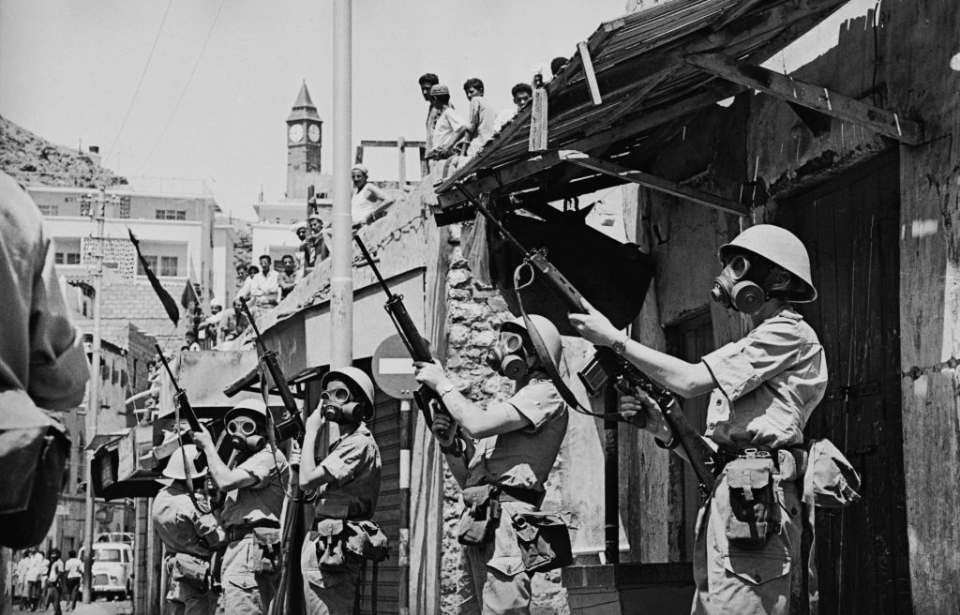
{"x":126,"y":537}
{"x":112,"y":570}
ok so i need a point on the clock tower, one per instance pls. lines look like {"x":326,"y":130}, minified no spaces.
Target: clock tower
{"x":304,"y":144}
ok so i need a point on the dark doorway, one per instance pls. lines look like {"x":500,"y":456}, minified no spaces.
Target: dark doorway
{"x":689,"y":339}
{"x":850,"y":226}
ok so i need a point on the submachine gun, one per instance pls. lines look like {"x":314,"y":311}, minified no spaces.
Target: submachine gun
{"x":290,"y":587}
{"x":607,"y":366}
{"x":427,"y":399}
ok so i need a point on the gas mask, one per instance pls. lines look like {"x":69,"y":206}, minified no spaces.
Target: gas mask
{"x":508,"y":356}
{"x":736,"y":287}
{"x":244,"y":436}
{"x":337,"y":405}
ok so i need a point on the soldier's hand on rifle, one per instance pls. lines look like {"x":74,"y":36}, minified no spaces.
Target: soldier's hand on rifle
{"x":639,"y":404}
{"x":430,"y":374}
{"x":202,"y":438}
{"x":315,"y":421}
{"x":442,"y":424}
{"x":595,"y":327}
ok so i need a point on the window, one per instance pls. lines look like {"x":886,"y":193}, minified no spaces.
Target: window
{"x":171,"y":214}
{"x":49,"y":210}
{"x":67,"y":258}
{"x":163,"y":266}
{"x":168,"y":266}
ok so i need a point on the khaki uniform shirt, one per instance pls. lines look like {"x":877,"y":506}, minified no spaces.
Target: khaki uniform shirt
{"x":181,"y":527}
{"x":262,"y":501}
{"x":768,"y":383}
{"x":40,"y":351}
{"x":354,"y":463}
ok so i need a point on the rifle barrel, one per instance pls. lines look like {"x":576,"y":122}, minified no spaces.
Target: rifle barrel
{"x":376,"y":271}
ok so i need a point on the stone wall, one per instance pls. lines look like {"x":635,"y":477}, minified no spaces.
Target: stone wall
{"x":474,"y":312}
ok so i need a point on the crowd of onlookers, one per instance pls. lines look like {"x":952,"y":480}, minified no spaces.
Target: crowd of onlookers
{"x":40,"y":580}
{"x":453,"y":139}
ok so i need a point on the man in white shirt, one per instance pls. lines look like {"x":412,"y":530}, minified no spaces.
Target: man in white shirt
{"x":447,"y":131}
{"x":74,"y":570}
{"x":263,"y":289}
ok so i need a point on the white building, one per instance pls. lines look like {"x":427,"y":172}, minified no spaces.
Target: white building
{"x":180,"y":236}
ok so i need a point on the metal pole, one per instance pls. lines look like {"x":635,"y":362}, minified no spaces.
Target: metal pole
{"x":93,"y":410}
{"x":341,"y":279}
{"x":611,"y":478}
{"x":406,"y":442}
{"x":402,"y":151}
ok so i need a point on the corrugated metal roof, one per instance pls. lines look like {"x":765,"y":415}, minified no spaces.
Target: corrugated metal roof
{"x":644,"y":83}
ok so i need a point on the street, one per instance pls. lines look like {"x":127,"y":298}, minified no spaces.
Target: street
{"x":123,"y":607}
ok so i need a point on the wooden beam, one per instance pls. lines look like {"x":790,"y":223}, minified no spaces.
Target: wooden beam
{"x":448,"y":196}
{"x":589,"y":74}
{"x":654,"y":183}
{"x":820,"y":99}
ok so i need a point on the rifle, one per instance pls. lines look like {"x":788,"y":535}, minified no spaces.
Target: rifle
{"x":607,"y":366}
{"x":183,"y":404}
{"x":290,"y":539}
{"x":427,"y":399}
{"x":293,"y":425}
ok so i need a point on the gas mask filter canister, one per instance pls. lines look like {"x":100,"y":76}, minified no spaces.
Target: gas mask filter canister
{"x":732,"y":289}
{"x":508,"y":357}
{"x":337,"y":406}
{"x":243,"y":434}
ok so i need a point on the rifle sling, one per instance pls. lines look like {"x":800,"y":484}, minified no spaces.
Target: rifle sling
{"x":547,"y":361}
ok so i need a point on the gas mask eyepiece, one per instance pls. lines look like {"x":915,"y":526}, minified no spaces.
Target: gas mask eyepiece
{"x":508,"y":357}
{"x":733,"y":290}
{"x":243,"y":434}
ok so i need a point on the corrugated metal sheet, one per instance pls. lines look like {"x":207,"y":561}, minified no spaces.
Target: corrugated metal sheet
{"x":645,"y":84}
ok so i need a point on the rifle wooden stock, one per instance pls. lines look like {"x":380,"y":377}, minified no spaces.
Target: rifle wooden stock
{"x":606,"y":364}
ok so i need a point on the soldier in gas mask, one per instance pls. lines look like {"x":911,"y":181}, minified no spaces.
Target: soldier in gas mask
{"x":763,"y":389}
{"x":504,"y":472}
{"x":347,"y":482}
{"x":190,"y":533}
{"x":252,"y":508}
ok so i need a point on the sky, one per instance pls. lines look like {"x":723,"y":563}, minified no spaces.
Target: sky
{"x":200,"y":89}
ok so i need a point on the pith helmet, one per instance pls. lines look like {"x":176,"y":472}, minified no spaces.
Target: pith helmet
{"x":351,"y":374}
{"x":780,"y":247}
{"x":546,"y":329}
{"x":175,"y":468}
{"x":252,"y":407}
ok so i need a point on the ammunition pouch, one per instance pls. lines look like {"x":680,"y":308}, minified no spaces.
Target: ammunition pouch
{"x":544,"y":540}
{"x":34,"y":450}
{"x":339,"y":539}
{"x":481,"y":515}
{"x":190,"y":570}
{"x":268,"y":539}
{"x":753,"y":502}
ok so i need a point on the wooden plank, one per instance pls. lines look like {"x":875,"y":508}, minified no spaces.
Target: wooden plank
{"x":653,"y":182}
{"x":820,"y":99}
{"x":590,"y":76}
{"x":448,"y":196}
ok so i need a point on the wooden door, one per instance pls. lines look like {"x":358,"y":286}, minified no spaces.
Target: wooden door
{"x":851,"y":229}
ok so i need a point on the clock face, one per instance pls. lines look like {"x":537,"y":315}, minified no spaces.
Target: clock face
{"x":296,"y":133}
{"x":313,"y":132}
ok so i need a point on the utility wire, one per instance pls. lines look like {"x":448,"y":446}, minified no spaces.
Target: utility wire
{"x":185,"y":88}
{"x":143,"y":74}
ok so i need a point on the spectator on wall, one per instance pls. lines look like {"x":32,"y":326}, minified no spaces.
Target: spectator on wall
{"x":446,"y":133}
{"x":369,"y":202}
{"x":316,"y":246}
{"x":478,"y":128}
{"x":522,"y":93}
{"x":263,"y":288}
{"x":289,"y":276}
{"x":427,"y":81}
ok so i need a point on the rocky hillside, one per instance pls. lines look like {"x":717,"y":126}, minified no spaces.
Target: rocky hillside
{"x":32,"y":160}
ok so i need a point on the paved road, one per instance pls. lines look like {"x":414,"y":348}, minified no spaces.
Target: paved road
{"x":123,"y":607}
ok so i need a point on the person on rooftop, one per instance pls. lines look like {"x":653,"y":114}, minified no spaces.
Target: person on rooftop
{"x":369,"y":202}
{"x":300,"y":228}
{"x":447,"y":133}
{"x":522,"y":93}
{"x":427,"y":81}
{"x":316,"y":245}
{"x":289,"y":276}
{"x":480,"y":118}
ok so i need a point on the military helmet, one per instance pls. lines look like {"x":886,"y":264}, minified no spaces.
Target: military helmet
{"x":548,"y":331}
{"x":353,"y":375}
{"x":252,"y":407}
{"x":780,"y":247}
{"x":175,"y":467}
